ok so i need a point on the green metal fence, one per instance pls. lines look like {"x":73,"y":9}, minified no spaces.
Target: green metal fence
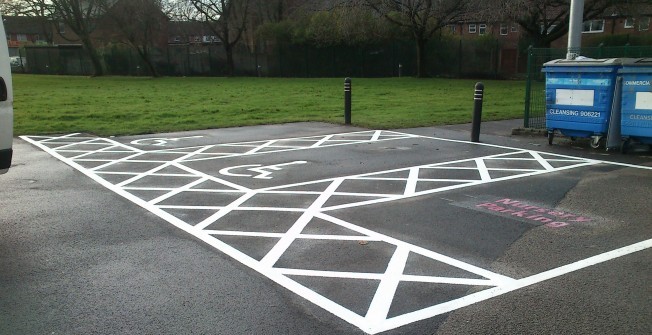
{"x":535,"y":95}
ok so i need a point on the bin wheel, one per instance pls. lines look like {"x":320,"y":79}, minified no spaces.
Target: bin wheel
{"x":596,"y":141}
{"x":624,"y":146}
{"x":551,"y":135}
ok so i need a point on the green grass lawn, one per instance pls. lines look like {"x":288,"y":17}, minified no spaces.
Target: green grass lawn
{"x":128,"y":105}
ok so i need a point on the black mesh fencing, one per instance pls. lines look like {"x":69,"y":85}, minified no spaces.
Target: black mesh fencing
{"x":446,"y":57}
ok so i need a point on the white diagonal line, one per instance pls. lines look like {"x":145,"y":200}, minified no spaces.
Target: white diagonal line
{"x":160,"y":167}
{"x":277,"y":251}
{"x":416,"y":249}
{"x":376,"y":135}
{"x":92,"y":152}
{"x":82,"y":142}
{"x":448,"y":280}
{"x":542,"y":161}
{"x":482,"y":169}
{"x":243,"y":233}
{"x":387,"y":289}
{"x":411,"y":185}
{"x":322,"y":141}
{"x":224,"y":211}
{"x":473,"y":298}
{"x":209,"y":177}
{"x":329,"y":274}
{"x":177,"y":191}
{"x":260,"y":147}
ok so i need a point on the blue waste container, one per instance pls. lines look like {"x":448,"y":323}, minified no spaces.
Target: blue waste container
{"x":636,"y":106}
{"x":579,"y":94}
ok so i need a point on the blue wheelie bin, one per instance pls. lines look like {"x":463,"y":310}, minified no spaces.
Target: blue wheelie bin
{"x":636,"y":106}
{"x":579,"y":94}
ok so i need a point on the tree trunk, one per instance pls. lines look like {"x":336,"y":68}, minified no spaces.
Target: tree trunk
{"x":94,"y":56}
{"x":144,"y":55}
{"x":421,"y":57}
{"x":230,"y":65}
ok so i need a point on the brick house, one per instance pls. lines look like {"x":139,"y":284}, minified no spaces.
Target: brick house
{"x":24,"y":31}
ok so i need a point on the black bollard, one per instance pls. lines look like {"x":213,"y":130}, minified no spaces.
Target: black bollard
{"x":477,"y":112}
{"x":347,"y":100}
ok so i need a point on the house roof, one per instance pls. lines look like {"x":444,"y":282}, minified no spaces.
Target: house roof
{"x":22,"y":25}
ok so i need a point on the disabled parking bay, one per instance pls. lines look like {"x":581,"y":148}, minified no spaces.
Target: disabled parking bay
{"x":324,"y":229}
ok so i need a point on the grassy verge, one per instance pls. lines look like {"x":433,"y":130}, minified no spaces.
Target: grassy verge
{"x":127,"y":105}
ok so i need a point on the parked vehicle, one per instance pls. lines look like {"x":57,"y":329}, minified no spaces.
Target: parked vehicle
{"x":6,"y":105}
{"x":16,"y":61}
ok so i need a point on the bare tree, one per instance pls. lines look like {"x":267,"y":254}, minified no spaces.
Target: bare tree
{"x":422,"y":18}
{"x":140,"y":23}
{"x":544,"y":21}
{"x":81,"y":17}
{"x":227,"y":19}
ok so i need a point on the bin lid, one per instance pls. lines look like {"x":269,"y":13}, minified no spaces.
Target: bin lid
{"x":637,"y":65}
{"x":584,"y":65}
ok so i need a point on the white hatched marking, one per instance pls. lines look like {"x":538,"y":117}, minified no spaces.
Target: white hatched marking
{"x":277,"y":251}
{"x":411,"y":185}
{"x":542,"y":161}
{"x":387,"y":289}
{"x":375,"y":319}
{"x":482,"y":168}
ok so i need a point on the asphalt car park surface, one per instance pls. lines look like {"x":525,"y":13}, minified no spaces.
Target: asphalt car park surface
{"x":314,"y":228}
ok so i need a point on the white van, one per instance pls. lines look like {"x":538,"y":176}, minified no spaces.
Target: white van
{"x":6,"y":104}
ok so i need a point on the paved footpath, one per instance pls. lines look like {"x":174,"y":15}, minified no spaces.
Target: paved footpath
{"x":316,"y":228}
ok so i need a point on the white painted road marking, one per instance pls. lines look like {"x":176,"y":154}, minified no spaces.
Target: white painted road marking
{"x":264,"y":172}
{"x":375,"y":319}
{"x":161,"y":141}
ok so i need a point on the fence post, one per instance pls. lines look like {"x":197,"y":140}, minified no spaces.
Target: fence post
{"x":528,"y":87}
{"x":347,"y":100}
{"x":477,"y":112}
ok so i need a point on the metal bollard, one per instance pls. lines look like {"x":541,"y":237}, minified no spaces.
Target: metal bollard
{"x":477,"y":112}
{"x":347,"y":100}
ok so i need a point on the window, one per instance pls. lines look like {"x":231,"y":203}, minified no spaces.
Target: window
{"x":514,"y":29}
{"x":629,"y":22}
{"x":21,"y":37}
{"x":62,"y":28}
{"x":503,"y":29}
{"x":644,"y":23}
{"x":593,"y":26}
{"x":472,"y":28}
{"x":452,"y":28}
{"x":483,"y":29}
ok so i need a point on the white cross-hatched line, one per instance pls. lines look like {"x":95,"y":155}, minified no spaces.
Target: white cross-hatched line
{"x":387,"y":289}
{"x":177,"y":191}
{"x":225,"y":210}
{"x":542,"y":161}
{"x":376,"y":135}
{"x":411,"y":184}
{"x":86,"y":142}
{"x":376,"y":317}
{"x":322,"y":141}
{"x":159,"y":168}
{"x":260,"y":147}
{"x":273,"y":255}
{"x":48,"y":139}
{"x":482,"y":169}
{"x":379,"y":276}
{"x":93,"y":152}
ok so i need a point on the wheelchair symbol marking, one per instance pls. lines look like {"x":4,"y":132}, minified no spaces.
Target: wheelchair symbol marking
{"x":259,"y":171}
